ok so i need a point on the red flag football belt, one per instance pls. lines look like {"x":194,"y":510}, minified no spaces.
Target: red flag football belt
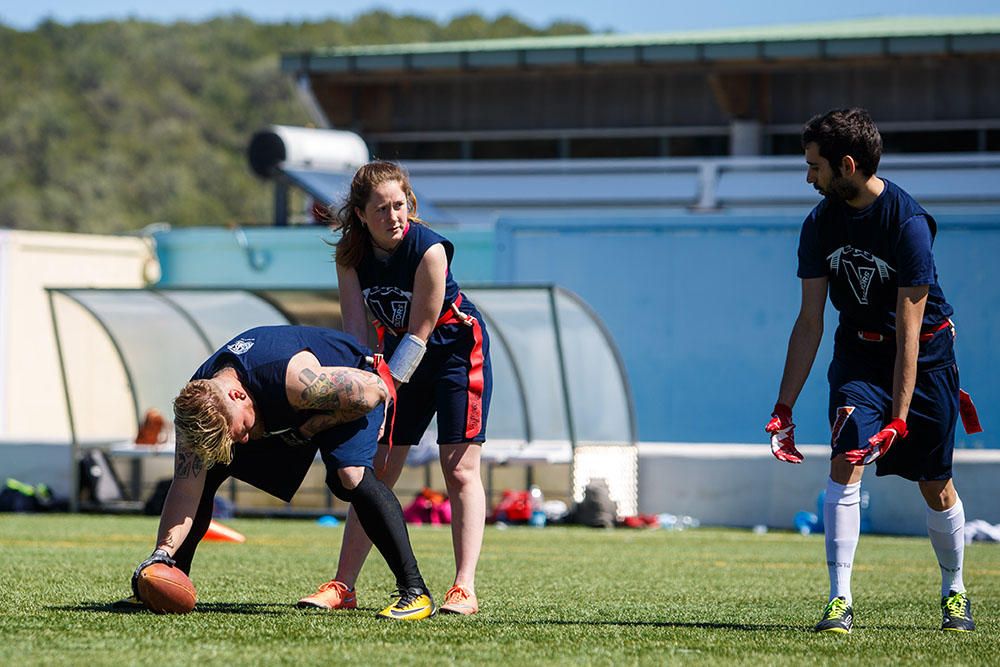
{"x":473,"y":418}
{"x":381,"y":366}
{"x":966,"y":408}
{"x":450,"y":316}
{"x":875,"y":337}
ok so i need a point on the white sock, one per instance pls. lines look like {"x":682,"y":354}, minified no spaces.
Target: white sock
{"x":842,"y":523}
{"x":947,"y":532}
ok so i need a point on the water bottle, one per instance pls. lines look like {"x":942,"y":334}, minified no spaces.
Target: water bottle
{"x":805,"y":522}
{"x":537,"y":509}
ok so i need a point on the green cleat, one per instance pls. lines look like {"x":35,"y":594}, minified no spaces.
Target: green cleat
{"x":838,"y":617}
{"x":957,"y":611}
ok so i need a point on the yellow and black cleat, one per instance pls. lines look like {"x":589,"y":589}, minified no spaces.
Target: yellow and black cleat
{"x":957,"y":612}
{"x":414,"y":604}
{"x":838,"y":617}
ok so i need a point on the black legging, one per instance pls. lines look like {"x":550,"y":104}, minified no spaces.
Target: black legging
{"x":381,"y":516}
{"x":378,"y":510}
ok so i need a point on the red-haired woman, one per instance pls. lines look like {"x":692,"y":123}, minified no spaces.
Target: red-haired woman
{"x":393,"y":267}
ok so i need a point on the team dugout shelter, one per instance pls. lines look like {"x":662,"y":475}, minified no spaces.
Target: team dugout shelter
{"x":561,"y":395}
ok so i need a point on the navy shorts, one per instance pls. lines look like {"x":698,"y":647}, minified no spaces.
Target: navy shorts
{"x":861,"y":404}
{"x":455,"y":381}
{"x":276,"y":467}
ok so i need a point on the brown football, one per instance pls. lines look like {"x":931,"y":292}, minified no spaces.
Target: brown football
{"x":166,"y":590}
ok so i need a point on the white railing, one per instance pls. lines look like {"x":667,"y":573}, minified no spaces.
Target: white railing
{"x":479,"y":191}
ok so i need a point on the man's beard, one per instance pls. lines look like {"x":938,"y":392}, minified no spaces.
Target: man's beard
{"x":840,"y":188}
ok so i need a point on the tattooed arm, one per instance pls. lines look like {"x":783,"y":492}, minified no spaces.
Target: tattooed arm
{"x":182,"y":500}
{"x":338,"y":394}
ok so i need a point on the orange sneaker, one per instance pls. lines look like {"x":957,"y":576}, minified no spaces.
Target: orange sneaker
{"x":331,"y":595}
{"x":459,"y":601}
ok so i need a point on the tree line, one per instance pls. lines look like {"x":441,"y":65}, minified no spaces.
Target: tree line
{"x":107,"y":127}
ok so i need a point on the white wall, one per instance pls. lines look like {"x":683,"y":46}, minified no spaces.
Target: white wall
{"x":32,"y":402}
{"x":743,"y":485}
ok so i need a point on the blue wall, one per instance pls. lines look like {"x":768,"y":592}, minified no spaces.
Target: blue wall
{"x":282,"y":257}
{"x":702,"y":306}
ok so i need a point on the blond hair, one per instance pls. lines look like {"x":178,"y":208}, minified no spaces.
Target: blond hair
{"x":202,"y":424}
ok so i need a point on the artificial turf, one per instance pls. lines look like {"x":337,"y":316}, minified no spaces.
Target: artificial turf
{"x":557,"y":595}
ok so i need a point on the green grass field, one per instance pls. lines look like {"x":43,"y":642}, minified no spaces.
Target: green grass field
{"x":557,"y":595}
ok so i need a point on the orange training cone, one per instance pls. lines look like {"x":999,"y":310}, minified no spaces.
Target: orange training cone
{"x":219,"y":533}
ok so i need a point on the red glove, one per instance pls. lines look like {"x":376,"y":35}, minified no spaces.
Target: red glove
{"x":782,"y":432}
{"x":878,"y":444}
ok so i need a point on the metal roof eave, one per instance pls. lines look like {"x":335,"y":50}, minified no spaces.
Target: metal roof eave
{"x":884,"y":36}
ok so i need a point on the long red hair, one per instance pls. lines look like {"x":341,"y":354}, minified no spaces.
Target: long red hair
{"x":354,"y":234}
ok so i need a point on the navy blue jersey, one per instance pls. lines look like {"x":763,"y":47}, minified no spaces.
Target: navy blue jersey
{"x":387,"y":285}
{"x":260,"y":358}
{"x":867,"y":255}
{"x":455,"y":379}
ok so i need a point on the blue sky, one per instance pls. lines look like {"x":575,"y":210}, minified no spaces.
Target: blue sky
{"x":627,"y":16}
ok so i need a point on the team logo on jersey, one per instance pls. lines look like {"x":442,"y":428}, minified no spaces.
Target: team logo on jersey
{"x":390,"y":305}
{"x":843,"y":414}
{"x":860,"y":268}
{"x":240,"y":346}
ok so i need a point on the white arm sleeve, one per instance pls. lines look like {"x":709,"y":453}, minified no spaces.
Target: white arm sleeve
{"x":407,"y":357}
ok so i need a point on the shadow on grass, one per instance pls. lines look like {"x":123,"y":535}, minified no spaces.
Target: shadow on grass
{"x":740,"y":627}
{"x":244,"y":608}
{"x":737,"y":627}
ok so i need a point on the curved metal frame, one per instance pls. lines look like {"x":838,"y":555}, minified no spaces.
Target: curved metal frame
{"x":561,"y":359}
{"x":114,"y":343}
{"x":522,"y":393}
{"x":187,"y":317}
{"x":74,"y":501}
{"x":616,"y":353}
{"x":269,"y":300}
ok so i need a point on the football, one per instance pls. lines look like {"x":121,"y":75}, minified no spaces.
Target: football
{"x":166,"y":590}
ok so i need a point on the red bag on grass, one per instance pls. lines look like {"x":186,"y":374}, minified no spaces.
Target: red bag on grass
{"x":514,"y":506}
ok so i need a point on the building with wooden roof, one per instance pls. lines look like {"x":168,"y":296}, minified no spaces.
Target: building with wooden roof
{"x":932,"y":84}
